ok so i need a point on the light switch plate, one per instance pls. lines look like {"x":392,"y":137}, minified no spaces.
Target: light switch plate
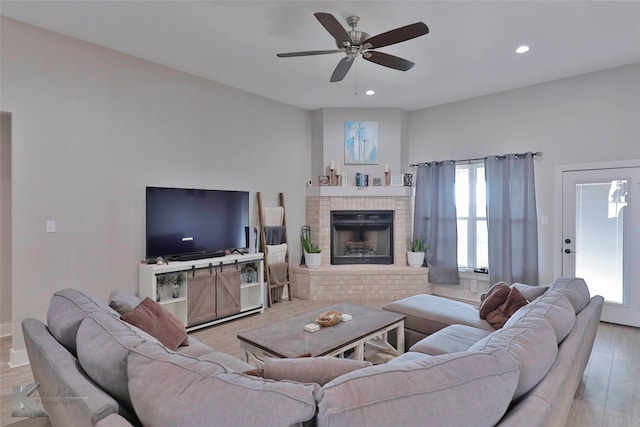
{"x":51,"y":226}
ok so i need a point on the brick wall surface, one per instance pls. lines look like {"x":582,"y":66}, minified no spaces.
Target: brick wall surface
{"x":359,"y":281}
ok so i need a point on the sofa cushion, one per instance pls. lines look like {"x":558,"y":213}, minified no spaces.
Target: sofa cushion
{"x":459,"y":389}
{"x":575,"y":289}
{"x":225,"y":359}
{"x":531,"y":343}
{"x":123,"y":301}
{"x":451,"y":339}
{"x":553,"y":307}
{"x":429,"y":313}
{"x":103,"y":346}
{"x":158,"y":322}
{"x":166,"y":389}
{"x":530,"y":292}
{"x":67,"y":309}
{"x":319,"y":370}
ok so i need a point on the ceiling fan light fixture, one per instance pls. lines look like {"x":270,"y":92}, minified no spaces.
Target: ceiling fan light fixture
{"x":522,"y":49}
{"x":356,"y":43}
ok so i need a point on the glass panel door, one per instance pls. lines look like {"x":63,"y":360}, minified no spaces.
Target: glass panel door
{"x":600,"y":242}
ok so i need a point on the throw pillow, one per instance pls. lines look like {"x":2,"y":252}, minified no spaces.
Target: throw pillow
{"x":319,"y":370}
{"x":152,"y":318}
{"x":530,"y":292}
{"x":496,"y":296}
{"x":513,"y":303}
{"x":122,"y":301}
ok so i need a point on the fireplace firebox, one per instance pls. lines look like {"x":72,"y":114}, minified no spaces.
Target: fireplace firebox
{"x":361,"y":237}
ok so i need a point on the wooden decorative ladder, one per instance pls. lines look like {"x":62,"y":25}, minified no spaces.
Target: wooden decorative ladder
{"x":272,"y":285}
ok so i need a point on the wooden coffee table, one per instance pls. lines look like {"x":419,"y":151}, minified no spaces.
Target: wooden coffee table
{"x":288,"y":338}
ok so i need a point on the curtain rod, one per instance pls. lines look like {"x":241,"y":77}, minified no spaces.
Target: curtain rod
{"x":537,"y":153}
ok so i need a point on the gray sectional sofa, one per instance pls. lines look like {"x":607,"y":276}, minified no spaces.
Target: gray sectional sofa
{"x":110,"y":373}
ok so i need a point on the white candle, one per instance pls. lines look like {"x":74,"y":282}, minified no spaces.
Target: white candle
{"x":338,"y":171}
{"x":386,"y":167}
{"x":333,"y":165}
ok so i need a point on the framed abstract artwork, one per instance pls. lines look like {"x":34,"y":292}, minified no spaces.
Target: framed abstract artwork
{"x":361,"y":143}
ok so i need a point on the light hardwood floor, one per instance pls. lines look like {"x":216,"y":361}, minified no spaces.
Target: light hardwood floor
{"x":608,"y":396}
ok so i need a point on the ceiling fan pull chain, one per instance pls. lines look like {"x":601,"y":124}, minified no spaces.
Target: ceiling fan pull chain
{"x":356,"y":79}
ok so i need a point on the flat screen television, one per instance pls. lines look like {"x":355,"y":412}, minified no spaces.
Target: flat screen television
{"x":186,"y":224}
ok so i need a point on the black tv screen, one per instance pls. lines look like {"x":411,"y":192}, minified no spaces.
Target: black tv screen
{"x":192,"y":223}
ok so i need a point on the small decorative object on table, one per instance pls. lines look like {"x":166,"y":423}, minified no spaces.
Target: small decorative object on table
{"x":377,"y":182}
{"x":323,"y":180}
{"x":329,"y":318}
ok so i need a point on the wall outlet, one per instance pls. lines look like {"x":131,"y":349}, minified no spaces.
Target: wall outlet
{"x":474,"y":285}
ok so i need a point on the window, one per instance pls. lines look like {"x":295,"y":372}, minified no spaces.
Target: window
{"x":471,"y":207}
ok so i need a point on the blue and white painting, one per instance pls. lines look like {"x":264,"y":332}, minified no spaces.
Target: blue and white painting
{"x":361,"y":143}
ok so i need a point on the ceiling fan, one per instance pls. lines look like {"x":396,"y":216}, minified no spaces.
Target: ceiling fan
{"x":355,"y":43}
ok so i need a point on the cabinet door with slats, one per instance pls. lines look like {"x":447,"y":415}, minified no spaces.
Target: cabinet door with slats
{"x":227,"y":291}
{"x":201,"y":301}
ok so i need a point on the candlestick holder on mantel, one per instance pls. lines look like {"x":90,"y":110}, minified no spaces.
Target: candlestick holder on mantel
{"x":387,"y":179}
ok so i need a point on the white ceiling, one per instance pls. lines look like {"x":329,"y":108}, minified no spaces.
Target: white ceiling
{"x":468,"y":52}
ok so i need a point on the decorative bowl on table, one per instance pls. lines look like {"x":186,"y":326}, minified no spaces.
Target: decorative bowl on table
{"x":329,"y":318}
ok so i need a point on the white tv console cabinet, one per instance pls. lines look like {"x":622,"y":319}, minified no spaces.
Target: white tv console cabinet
{"x":209,"y":291}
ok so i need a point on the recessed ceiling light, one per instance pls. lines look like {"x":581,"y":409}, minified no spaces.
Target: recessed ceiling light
{"x":522,"y":49}
{"x":370,"y":92}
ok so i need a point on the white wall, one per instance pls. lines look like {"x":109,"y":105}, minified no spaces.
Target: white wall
{"x":92,"y":128}
{"x":391,"y":122}
{"x":5,"y":223}
{"x":589,"y":118}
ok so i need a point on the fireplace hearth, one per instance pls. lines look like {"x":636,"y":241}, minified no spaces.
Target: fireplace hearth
{"x":361,"y":237}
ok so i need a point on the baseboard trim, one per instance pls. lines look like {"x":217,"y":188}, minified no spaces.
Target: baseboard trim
{"x":18,"y":358}
{"x":6,"y":329}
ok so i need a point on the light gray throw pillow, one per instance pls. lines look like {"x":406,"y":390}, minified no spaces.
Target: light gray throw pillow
{"x":530,"y":292}
{"x":123,"y":301}
{"x":319,"y":370}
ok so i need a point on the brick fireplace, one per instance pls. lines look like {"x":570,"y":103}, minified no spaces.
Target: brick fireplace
{"x":359,"y":281}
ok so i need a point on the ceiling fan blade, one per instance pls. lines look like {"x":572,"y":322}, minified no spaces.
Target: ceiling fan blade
{"x":341,"y":70}
{"x":307,"y":53}
{"x":387,"y":60}
{"x":398,"y":35}
{"x":331,"y":24}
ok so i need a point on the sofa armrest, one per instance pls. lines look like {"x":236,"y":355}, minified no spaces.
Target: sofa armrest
{"x":76,"y":399}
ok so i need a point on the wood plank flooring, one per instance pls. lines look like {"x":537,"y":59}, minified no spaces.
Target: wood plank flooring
{"x":609,"y":395}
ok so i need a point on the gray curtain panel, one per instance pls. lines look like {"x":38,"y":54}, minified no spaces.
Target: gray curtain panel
{"x":512,"y":219}
{"x":435,"y":219}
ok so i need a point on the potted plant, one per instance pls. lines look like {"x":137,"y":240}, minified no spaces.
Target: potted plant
{"x":416,"y":253}
{"x":179,"y":278}
{"x":161,"y":281}
{"x":312,"y":253}
{"x":249,"y":272}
